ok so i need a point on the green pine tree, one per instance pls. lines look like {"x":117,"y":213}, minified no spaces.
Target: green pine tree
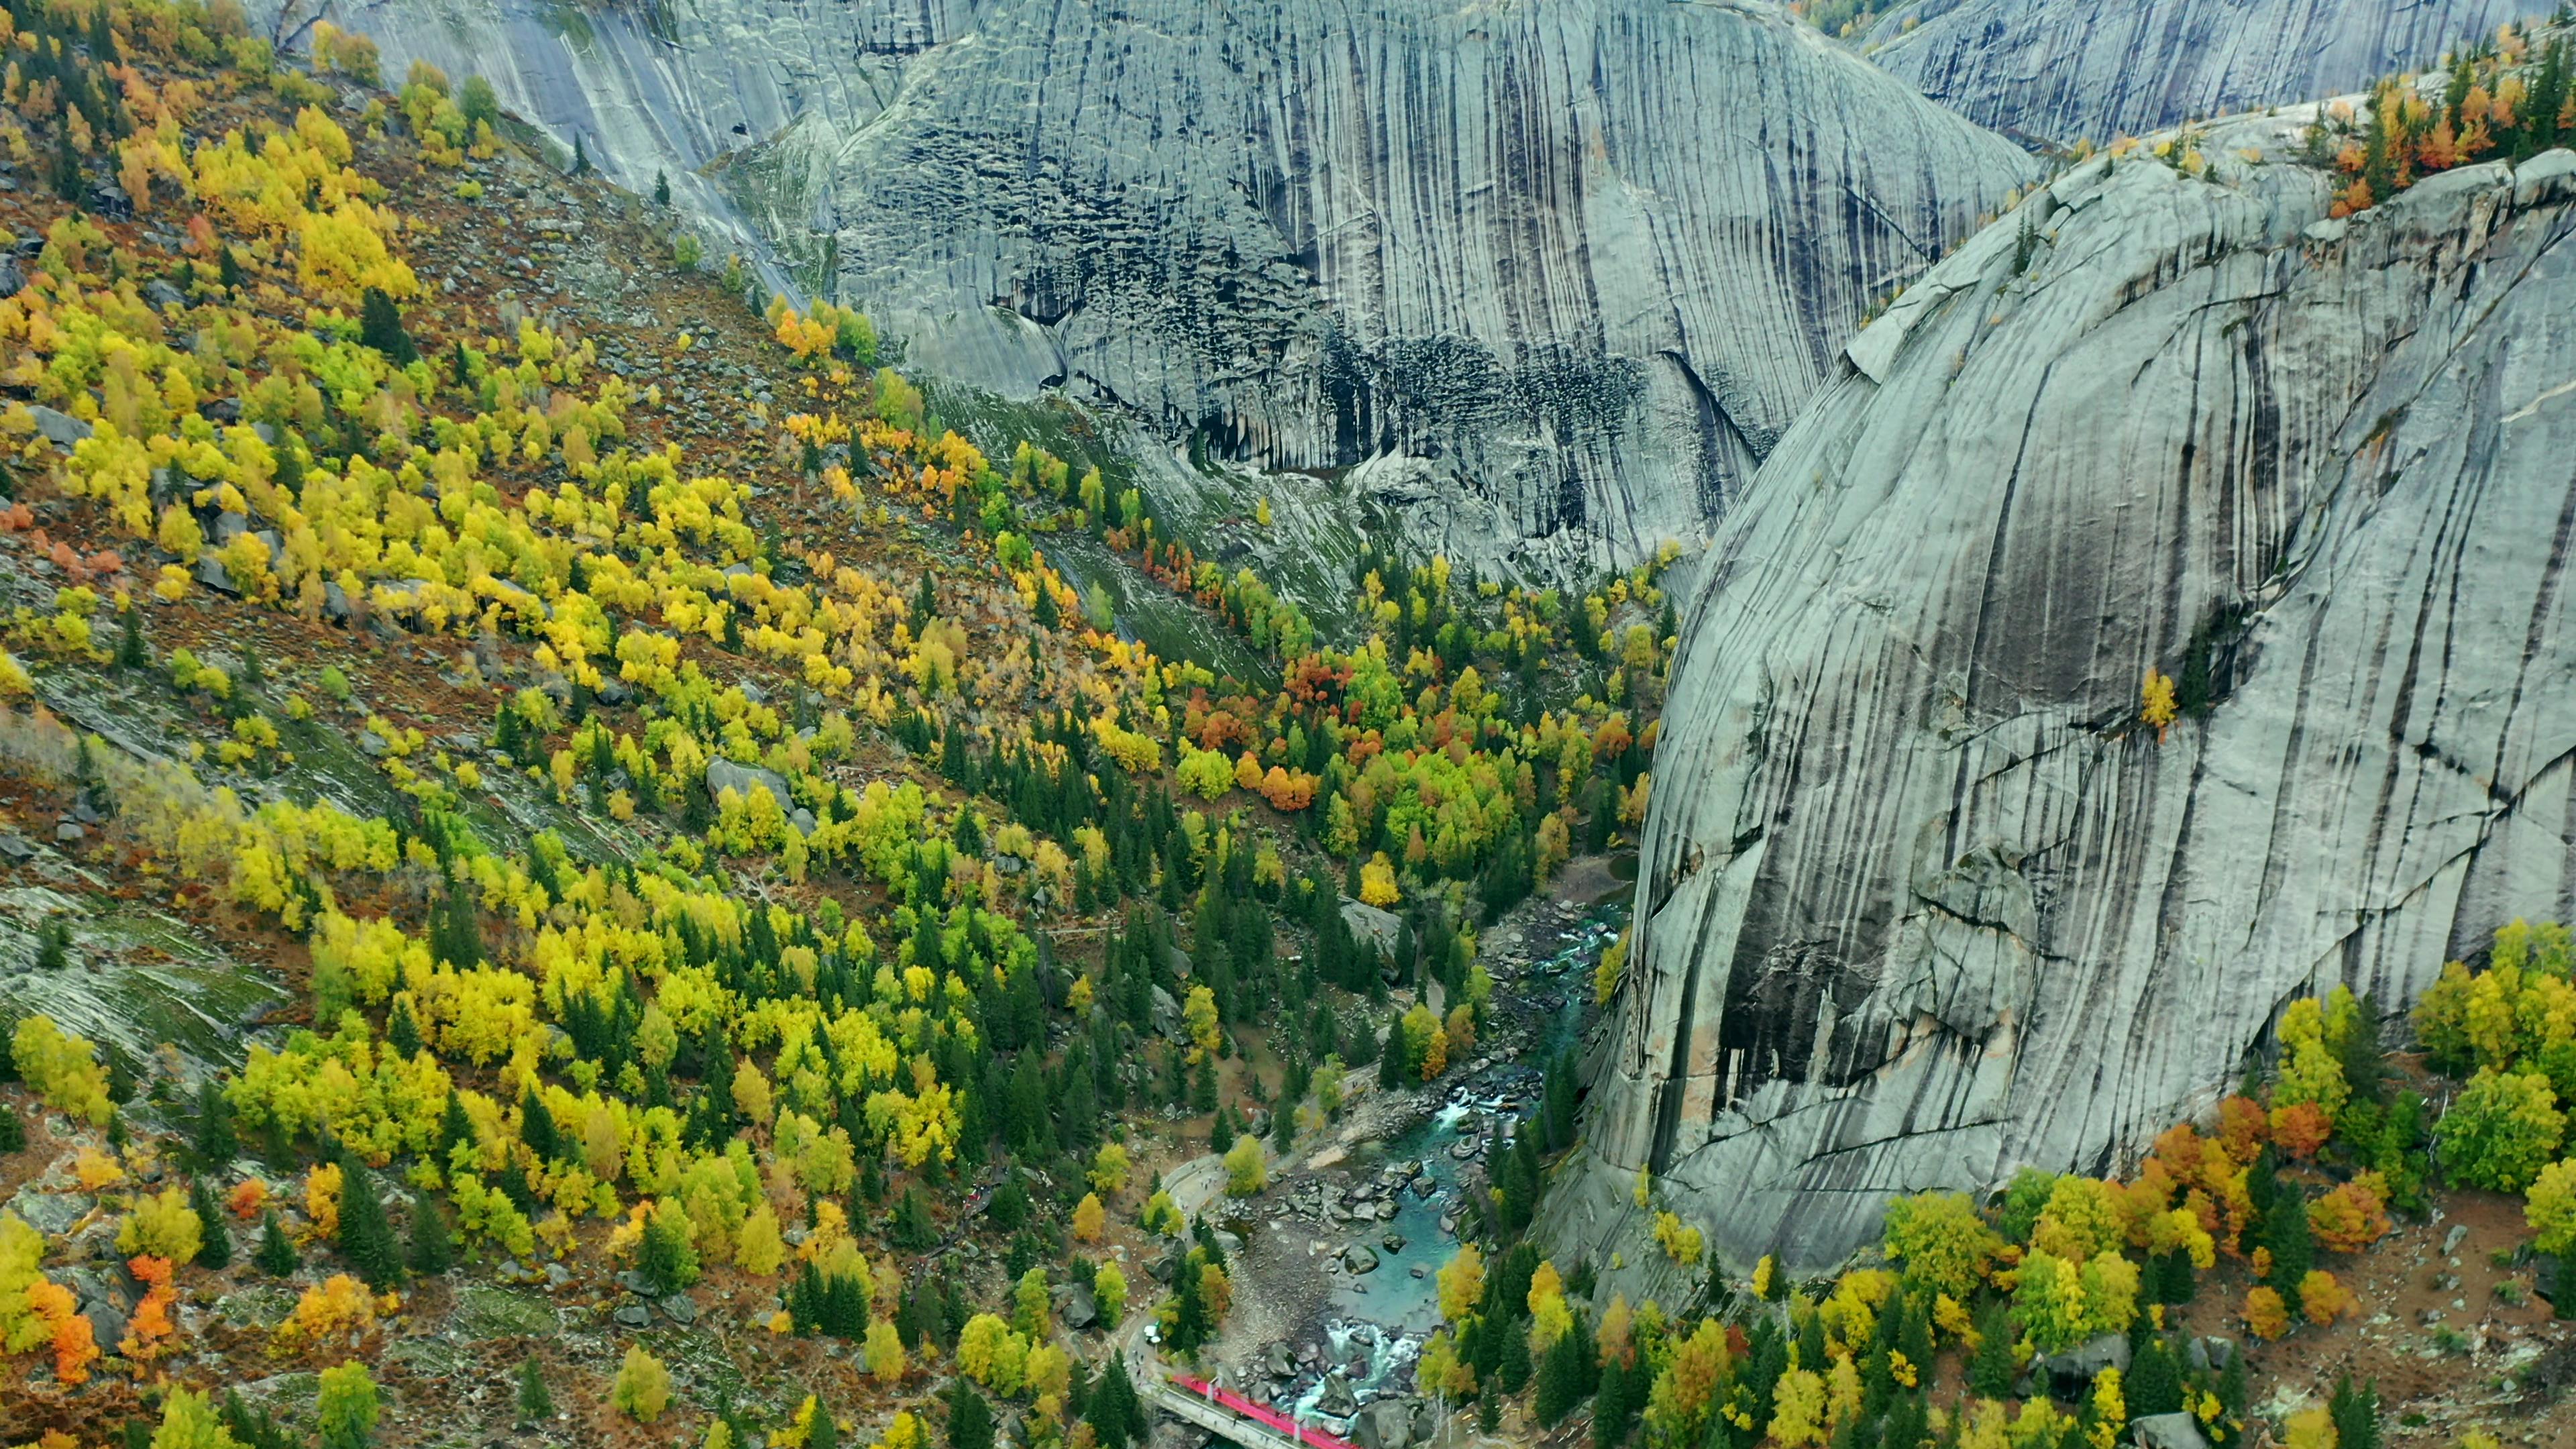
{"x":276,"y":1256}
{"x":1560,"y":1379}
{"x":535,"y":1404}
{"x":1610,"y":1406}
{"x":661,"y":189}
{"x":13,"y":1132}
{"x":2154,"y":1381}
{"x":214,"y":1141}
{"x":433,"y":1252}
{"x":970,"y":1419}
{"x":2355,"y":1411}
{"x":2294,"y":1248}
{"x":380,"y":326}
{"x":214,"y":1244}
{"x":1991,"y":1372}
{"x":131,"y":651}
{"x":366,"y":1234}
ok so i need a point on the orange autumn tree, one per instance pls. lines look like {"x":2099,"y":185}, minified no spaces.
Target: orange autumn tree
{"x":74,"y":1348}
{"x":151,"y":1321}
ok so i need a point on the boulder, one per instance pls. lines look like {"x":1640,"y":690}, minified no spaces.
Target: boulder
{"x":1359,"y":1258}
{"x":2212,"y":1354}
{"x":2166,"y":1431}
{"x":1388,"y":1424}
{"x":58,"y":428}
{"x":1335,"y":1397}
{"x":724,"y":774}
{"x":212,"y":573}
{"x":2082,"y":1364}
{"x":1079,"y":1309}
{"x":1974,"y":873}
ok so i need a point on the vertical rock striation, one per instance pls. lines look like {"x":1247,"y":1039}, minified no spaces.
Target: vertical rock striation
{"x":1922,"y":899}
{"x":1550,"y":277}
{"x":2059,"y":70}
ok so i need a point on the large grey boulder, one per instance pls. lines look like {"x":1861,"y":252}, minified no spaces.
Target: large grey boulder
{"x":1921,"y":899}
{"x":1548,"y":278}
{"x":1389,"y":1424}
{"x":2167,"y":1431}
{"x":724,"y":774}
{"x":2065,"y":69}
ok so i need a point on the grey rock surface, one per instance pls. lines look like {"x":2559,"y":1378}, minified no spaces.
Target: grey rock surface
{"x":1548,"y":278}
{"x":2166,"y":1431}
{"x":1921,"y":898}
{"x":723,"y":775}
{"x":2062,"y":70}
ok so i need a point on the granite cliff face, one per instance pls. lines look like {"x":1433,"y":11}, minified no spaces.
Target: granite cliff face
{"x":2059,"y":70}
{"x":1922,"y":900}
{"x":1550,"y":278}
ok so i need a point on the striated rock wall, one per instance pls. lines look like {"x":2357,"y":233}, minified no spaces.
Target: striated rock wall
{"x":1922,"y":900}
{"x":2064,"y":70}
{"x":1550,"y":278}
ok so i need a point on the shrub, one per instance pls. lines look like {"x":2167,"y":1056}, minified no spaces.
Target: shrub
{"x":2503,"y":1129}
{"x":2266,"y":1314}
{"x":1939,"y":1240}
{"x":346,"y":1410}
{"x":643,"y":1387}
{"x":162,"y":1225}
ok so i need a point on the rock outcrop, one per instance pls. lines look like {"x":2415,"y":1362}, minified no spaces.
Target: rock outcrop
{"x":2061,"y":70}
{"x":1923,"y":898}
{"x":1550,"y":278}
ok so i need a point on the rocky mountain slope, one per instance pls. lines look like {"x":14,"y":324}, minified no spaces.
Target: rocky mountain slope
{"x":2052,"y":70}
{"x":1922,"y":895}
{"x":1557,"y":276}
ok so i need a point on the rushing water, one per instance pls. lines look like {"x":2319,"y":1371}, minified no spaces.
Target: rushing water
{"x":1375,"y":1323}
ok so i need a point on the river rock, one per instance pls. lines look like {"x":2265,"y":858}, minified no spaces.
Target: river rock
{"x":1985,"y":917}
{"x":1388,"y":1423}
{"x":1359,"y":1258}
{"x":1276,"y":1358}
{"x":1279,"y":231}
{"x":1335,"y":1397}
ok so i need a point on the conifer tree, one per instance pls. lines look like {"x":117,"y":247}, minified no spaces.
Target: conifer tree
{"x":2154,"y":1382}
{"x":214,"y":1243}
{"x":1991,"y":1372}
{"x":1113,"y":1413}
{"x":215,"y":1143}
{"x":276,"y":1256}
{"x":380,"y":326}
{"x":1561,"y":1375}
{"x":1610,"y":1405}
{"x":13,"y":1132}
{"x":432,"y":1251}
{"x":1514,"y":1370}
{"x":2286,"y":1233}
{"x":970,"y":1419}
{"x":366,"y":1234}
{"x":2355,"y":1412}
{"x":536,"y":1405}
